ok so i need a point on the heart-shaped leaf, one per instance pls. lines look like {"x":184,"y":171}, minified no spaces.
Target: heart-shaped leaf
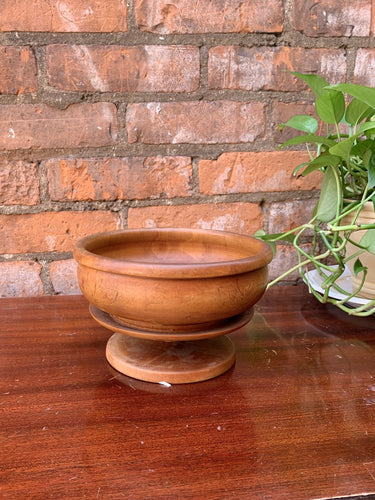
{"x":357,"y":111}
{"x":323,"y":160}
{"x":361,"y":92}
{"x":304,"y":123}
{"x":358,"y":267}
{"x":330,"y":107}
{"x":371,"y":171}
{"x":316,"y":83}
{"x":330,"y":199}
{"x":343,"y":148}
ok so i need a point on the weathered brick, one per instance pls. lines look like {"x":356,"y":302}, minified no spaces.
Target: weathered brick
{"x":332,"y":18}
{"x":285,"y":259}
{"x":19,"y":183}
{"x":268,"y":68}
{"x":67,"y":16}
{"x":205,"y":16}
{"x":112,"y":68}
{"x":20,"y":279}
{"x":364,"y":70}
{"x":196,"y":122}
{"x":255,"y":172}
{"x":18,"y":71}
{"x":26,"y":126}
{"x":119,"y":178}
{"x":287,"y":215}
{"x":245,"y":218}
{"x":51,"y":231}
{"x":281,"y":114}
{"x":63,"y":275}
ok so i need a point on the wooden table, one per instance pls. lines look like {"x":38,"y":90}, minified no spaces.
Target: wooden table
{"x":294,"y":418}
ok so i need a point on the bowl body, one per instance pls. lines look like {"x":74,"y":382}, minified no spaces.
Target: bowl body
{"x":172,"y":280}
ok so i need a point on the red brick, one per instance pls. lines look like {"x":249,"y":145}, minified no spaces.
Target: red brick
{"x":286,"y":258}
{"x":268,"y":68}
{"x":63,"y":16}
{"x":51,"y":231}
{"x":19,"y":183}
{"x":245,"y":218}
{"x":26,"y":126}
{"x":255,"y":172}
{"x":196,"y":122}
{"x":20,"y":279}
{"x":364,"y":70}
{"x":205,"y":16}
{"x":18,"y":71}
{"x":332,"y":18}
{"x":63,"y":275}
{"x":119,"y":178}
{"x":286,"y":215}
{"x":111,"y":68}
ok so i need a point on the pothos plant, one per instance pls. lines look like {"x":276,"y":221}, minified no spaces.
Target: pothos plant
{"x":345,"y":154}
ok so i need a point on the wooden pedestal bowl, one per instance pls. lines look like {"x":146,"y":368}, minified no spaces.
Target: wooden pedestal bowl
{"x":171,"y":295}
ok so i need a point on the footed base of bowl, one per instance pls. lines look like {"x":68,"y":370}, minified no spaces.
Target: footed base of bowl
{"x":227,"y":326}
{"x":171,"y":357}
{"x":147,"y":326}
{"x":179,"y":362}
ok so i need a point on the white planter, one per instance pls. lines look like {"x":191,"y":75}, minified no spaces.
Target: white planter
{"x":366,"y":216}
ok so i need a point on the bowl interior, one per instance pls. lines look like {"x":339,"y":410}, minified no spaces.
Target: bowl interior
{"x":171,"y":252}
{"x":176,"y":247}
{"x":165,"y":252}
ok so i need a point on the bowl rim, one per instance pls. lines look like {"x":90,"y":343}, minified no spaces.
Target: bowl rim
{"x":85,"y":257}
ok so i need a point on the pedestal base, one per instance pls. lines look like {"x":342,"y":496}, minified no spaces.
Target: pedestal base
{"x":222,"y":328}
{"x":172,"y":362}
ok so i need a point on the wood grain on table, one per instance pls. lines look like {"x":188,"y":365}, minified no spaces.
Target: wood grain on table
{"x":293,"y":419}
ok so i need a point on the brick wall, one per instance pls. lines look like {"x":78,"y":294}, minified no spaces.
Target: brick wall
{"x":146,"y":113}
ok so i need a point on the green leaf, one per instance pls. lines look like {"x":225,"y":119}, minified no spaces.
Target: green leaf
{"x":309,"y":139}
{"x":261,"y":235}
{"x":371,"y":171}
{"x":271,"y":239}
{"x":343,"y":148}
{"x":364,"y":127}
{"x":323,"y":160}
{"x":304,"y":123}
{"x":358,"y":267}
{"x":316,"y":83}
{"x":366,"y":157}
{"x":362,"y":147}
{"x":276,"y":237}
{"x":330,"y":107}
{"x":357,"y":111}
{"x":330,"y":196}
{"x":368,"y":240}
{"x":361,"y":92}
{"x":299,"y":167}
{"x":347,"y":148}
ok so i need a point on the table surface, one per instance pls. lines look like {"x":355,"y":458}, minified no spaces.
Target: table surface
{"x":293,"y":419}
